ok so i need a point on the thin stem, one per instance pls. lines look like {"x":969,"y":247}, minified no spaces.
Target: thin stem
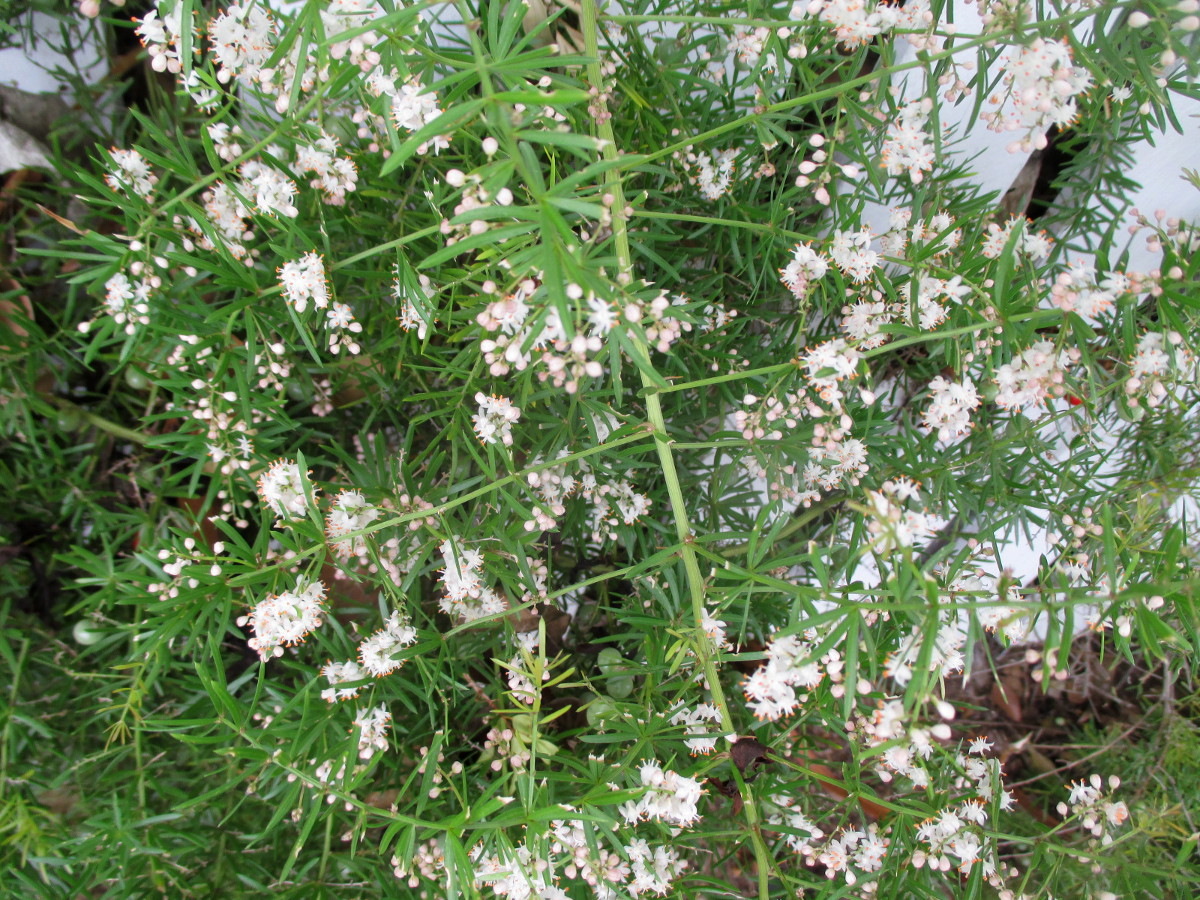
{"x":98,"y":421}
{"x":691,"y":564}
{"x":639,"y":435}
{"x":922,"y":61}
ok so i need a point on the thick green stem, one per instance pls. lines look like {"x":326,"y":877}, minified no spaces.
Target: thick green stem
{"x":691,"y":563}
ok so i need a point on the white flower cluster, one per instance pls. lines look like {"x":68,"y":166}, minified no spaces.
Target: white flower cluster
{"x":805,"y":267}
{"x":348,"y":513}
{"x":1161,"y":360}
{"x":428,"y":863}
{"x":273,"y":192}
{"x":335,"y":176}
{"x":714,"y":629}
{"x":801,"y":833}
{"x":159,"y":31}
{"x":519,"y":675}
{"x":613,"y":503}
{"x":864,"y":319}
{"x":791,"y":663}
{"x":959,"y":836}
{"x":669,"y":797}
{"x":996,"y":612}
{"x":930,"y":291}
{"x":1042,"y":83}
{"x":414,"y":311}
{"x":227,"y":215}
{"x":495,"y":419}
{"x":901,"y":749}
{"x":341,"y":673}
{"x":851,"y":252}
{"x":566,"y":362}
{"x":377,"y":653}
{"x":1036,"y":245}
{"x":518,"y":874}
{"x":340,"y":16}
{"x":552,"y":486}
{"x":525,"y":872}
{"x":413,"y":108}
{"x":130,"y":173}
{"x":936,"y":234}
{"x":1081,"y":290}
{"x":1034,"y":375}
{"x":128,"y":302}
{"x":856,"y":22}
{"x":907,"y":147}
{"x":242,"y":38}
{"x":892,"y":525}
{"x":950,"y":406}
{"x":713,"y":173}
{"x":853,"y":851}
{"x":373,"y":726}
{"x":940,"y":653}
{"x":282,"y":489}
{"x":303,"y":280}
{"x":341,"y":324}
{"x":466,"y":597}
{"x":652,"y":871}
{"x":700,"y":738}
{"x":1098,"y":814}
{"x":285,"y":619}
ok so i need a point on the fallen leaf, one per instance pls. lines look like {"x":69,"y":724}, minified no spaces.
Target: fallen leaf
{"x":1006,"y":694}
{"x":747,"y":752}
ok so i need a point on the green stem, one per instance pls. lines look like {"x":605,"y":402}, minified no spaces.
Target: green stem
{"x":98,"y":421}
{"x":691,"y":564}
{"x":638,"y":435}
{"x":922,"y":61}
{"x":763,"y":227}
{"x":13,"y":687}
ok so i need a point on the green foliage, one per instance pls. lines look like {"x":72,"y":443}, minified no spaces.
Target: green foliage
{"x":543,"y":368}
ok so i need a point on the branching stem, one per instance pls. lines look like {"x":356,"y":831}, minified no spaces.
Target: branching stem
{"x":691,"y":563}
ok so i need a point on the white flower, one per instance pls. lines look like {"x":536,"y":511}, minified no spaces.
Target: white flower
{"x":130,"y":172}
{"x":349,"y":512}
{"x":652,"y":871}
{"x":340,"y":322}
{"x":669,"y":797}
{"x":273,"y":191}
{"x":126,"y":301}
{"x":495,"y":419}
{"x":377,"y":652}
{"x":415,"y":310}
{"x":341,"y":673}
{"x":699,"y":740}
{"x":286,"y":619}
{"x":950,"y":407}
{"x":413,"y":107}
{"x":1043,"y":84}
{"x":791,"y":663}
{"x":907,"y":146}
{"x":372,"y":728}
{"x":892,"y":525}
{"x":806,"y":266}
{"x":303,"y":280}
{"x":242,"y":39}
{"x":715,"y":173}
{"x":1160,"y":359}
{"x":1033,"y":375}
{"x":1035,"y":245}
{"x":334,"y":175}
{"x":282,"y":489}
{"x":850,"y":252}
